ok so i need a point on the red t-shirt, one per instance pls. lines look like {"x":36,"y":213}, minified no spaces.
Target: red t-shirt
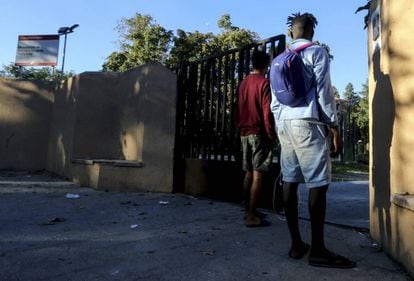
{"x":254,"y":116}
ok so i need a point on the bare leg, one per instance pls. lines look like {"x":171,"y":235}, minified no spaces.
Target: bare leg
{"x":317,"y":211}
{"x":320,"y":255}
{"x":247,"y":183}
{"x":290,"y":204}
{"x":255,"y":190}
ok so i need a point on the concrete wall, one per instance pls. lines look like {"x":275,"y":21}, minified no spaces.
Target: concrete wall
{"x":119,"y":127}
{"x":391,"y":87}
{"x":25,"y":115}
{"x":104,"y":130}
{"x":60,"y":145}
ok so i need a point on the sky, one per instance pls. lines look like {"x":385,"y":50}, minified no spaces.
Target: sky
{"x":96,"y":37}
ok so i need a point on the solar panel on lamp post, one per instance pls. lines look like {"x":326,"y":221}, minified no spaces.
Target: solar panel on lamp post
{"x":65,"y":31}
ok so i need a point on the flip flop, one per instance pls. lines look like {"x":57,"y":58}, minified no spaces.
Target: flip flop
{"x":300,"y":252}
{"x":331,"y":260}
{"x":260,"y":215}
{"x":261,"y":224}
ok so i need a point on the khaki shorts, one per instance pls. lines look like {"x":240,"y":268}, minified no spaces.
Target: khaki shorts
{"x":305,"y":152}
{"x":257,"y":153}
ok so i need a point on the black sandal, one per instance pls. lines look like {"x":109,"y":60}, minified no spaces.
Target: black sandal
{"x":260,"y":215}
{"x":299,"y":252}
{"x":331,"y":260}
{"x":262,"y":223}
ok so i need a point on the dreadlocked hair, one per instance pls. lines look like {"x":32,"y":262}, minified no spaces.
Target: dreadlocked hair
{"x":305,"y":19}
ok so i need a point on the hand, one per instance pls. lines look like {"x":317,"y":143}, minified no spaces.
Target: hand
{"x":336,"y":146}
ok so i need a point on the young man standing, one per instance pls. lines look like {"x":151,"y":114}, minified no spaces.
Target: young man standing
{"x":256,"y":126}
{"x":303,"y":132}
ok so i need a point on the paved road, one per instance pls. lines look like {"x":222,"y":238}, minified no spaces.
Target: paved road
{"x":347,"y":203}
{"x":146,"y":236}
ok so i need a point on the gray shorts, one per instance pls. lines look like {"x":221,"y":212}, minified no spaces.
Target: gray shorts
{"x":305,"y":152}
{"x":257,"y":153}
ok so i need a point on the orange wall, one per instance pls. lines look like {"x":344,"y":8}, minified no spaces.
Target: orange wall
{"x":391,"y":87}
{"x":126,"y":121}
{"x":25,"y":114}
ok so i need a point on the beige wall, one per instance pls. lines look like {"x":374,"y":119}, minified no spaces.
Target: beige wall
{"x":25,"y":114}
{"x":391,"y":85}
{"x":126,"y":116}
{"x":59,"y":156}
{"x":105,"y":130}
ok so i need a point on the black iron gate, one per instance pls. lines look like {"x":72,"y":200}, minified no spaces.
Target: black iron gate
{"x":206,"y":104}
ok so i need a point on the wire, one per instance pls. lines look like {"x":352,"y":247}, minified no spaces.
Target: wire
{"x":278,"y":212}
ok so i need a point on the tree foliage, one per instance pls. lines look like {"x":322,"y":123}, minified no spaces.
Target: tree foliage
{"x":143,"y":40}
{"x":350,"y":95}
{"x":362,"y":113}
{"x":336,"y":92}
{"x":189,"y":45}
{"x":43,"y":73}
{"x":358,"y":108}
{"x":362,"y":8}
{"x":231,"y":36}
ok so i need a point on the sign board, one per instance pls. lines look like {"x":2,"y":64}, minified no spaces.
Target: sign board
{"x":37,"y":50}
{"x":376,"y":29}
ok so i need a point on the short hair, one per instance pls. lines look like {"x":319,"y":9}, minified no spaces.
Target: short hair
{"x":260,"y":59}
{"x":305,"y":21}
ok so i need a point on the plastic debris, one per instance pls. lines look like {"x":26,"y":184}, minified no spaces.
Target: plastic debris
{"x":133,"y":226}
{"x":53,"y":221}
{"x":163,"y":202}
{"x":58,"y":220}
{"x":72,"y":196}
{"x":209,"y":253}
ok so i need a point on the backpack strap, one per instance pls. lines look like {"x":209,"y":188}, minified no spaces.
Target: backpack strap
{"x":303,"y":47}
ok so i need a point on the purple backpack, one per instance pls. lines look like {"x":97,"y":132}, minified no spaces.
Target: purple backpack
{"x":287,"y":78}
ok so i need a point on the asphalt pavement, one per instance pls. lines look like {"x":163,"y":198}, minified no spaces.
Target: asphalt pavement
{"x":51,"y":229}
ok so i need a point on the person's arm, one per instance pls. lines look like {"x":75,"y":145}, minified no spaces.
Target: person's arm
{"x":236,"y":117}
{"x":336,"y":146}
{"x":325,"y":93}
{"x":269,"y":121}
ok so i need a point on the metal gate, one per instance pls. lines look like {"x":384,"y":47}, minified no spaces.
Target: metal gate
{"x":206,"y":103}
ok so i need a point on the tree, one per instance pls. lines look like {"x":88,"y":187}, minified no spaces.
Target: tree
{"x":231,"y":36}
{"x":336,"y":92}
{"x":189,"y":46}
{"x":116,"y":61}
{"x":357,"y":119}
{"x":366,"y":17}
{"x":142,"y":40}
{"x":350,"y":95}
{"x":43,"y":73}
{"x":362,"y":118}
{"x":351,"y":134}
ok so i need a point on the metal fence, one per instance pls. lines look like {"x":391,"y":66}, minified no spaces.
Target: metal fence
{"x":206,"y":103}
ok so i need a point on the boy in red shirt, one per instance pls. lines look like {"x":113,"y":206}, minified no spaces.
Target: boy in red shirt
{"x":257,"y":132}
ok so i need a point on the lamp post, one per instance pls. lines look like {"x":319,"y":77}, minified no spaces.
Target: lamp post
{"x":65,"y":31}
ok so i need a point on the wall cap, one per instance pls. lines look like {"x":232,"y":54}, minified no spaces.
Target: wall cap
{"x":117,"y":163}
{"x":404,"y":200}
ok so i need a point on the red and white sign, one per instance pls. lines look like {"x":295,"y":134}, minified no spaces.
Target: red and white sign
{"x":37,"y":50}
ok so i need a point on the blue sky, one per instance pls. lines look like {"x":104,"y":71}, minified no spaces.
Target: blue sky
{"x":96,"y":37}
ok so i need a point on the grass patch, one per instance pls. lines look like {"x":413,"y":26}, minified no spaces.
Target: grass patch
{"x":349,"y":167}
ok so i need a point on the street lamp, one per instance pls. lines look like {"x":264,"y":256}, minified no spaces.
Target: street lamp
{"x":64,"y":31}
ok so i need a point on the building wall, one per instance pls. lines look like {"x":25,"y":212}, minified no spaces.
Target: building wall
{"x":25,"y":114}
{"x":391,"y":86}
